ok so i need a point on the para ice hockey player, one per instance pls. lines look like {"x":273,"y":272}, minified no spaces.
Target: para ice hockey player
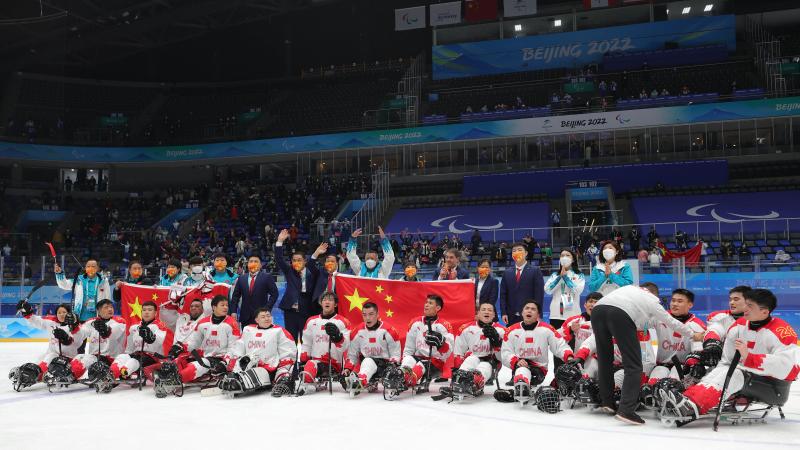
{"x":65,"y":339}
{"x":767,"y":362}
{"x":526,"y":351}
{"x":476,"y":354}
{"x":212,"y":340}
{"x":672,"y":345}
{"x":145,"y":339}
{"x":577,"y":329}
{"x":263,"y":356}
{"x":429,"y":342}
{"x":105,"y":339}
{"x":326,"y":340}
{"x":374,"y":346}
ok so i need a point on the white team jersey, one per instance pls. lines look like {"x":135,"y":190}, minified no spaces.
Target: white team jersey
{"x":50,"y":323}
{"x":415,"y":339}
{"x":589,"y":349}
{"x":471,"y":341}
{"x":533,"y":345}
{"x":773,"y":349}
{"x":111,"y":346}
{"x":271,"y":347}
{"x":315,"y":339}
{"x":184,"y":327}
{"x":718,"y":324}
{"x":382,"y":342}
{"x":161,"y":345}
{"x":583,"y":332}
{"x":214,"y":339}
{"x":673,"y":343}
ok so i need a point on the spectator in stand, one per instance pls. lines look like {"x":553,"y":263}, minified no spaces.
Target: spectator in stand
{"x":611,"y":271}
{"x":654,"y":93}
{"x":703,"y":248}
{"x":634,"y":240}
{"x":555,"y":222}
{"x":652,"y":237}
{"x":727,"y":249}
{"x":655,"y":260}
{"x":642,"y":256}
{"x":476,"y":241}
{"x":500,"y":254}
{"x":782,"y":257}
{"x":744,"y":253}
{"x":681,"y":240}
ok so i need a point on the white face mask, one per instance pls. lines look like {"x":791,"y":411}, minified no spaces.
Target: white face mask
{"x":197,"y":273}
{"x":609,"y":254}
{"x":566,"y":261}
{"x":371,"y":263}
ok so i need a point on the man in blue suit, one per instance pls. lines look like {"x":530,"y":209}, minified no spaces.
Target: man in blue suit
{"x":256,"y":289}
{"x":301,"y":278}
{"x":451,"y":268}
{"x":519,"y":283}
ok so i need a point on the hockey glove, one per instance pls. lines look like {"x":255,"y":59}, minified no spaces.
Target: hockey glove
{"x":102,"y":328}
{"x":712,"y":352}
{"x":243,"y":362}
{"x":147,"y":334}
{"x":333,"y":332}
{"x":434,"y":338}
{"x":24,"y":307}
{"x":175,"y":351}
{"x":62,"y":336}
{"x":492,"y":335}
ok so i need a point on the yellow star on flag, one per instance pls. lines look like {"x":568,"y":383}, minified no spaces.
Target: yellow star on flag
{"x":388,"y":299}
{"x":136,"y":308}
{"x":389,"y":313}
{"x":378,"y":289}
{"x":155,"y":296}
{"x":356,"y":301}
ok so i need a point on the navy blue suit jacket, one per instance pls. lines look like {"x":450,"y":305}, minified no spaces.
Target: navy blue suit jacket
{"x":488,"y":293}
{"x":294,"y":283}
{"x":513,"y":294}
{"x":265,"y":294}
{"x":461,"y":274}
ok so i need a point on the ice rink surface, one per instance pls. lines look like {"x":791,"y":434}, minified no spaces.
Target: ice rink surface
{"x":125,"y":418}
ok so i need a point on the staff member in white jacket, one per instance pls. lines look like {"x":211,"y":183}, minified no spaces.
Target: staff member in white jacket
{"x":565,"y":285}
{"x":617,"y":316}
{"x":88,"y":288}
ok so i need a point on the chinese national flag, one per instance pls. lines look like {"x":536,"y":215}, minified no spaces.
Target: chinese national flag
{"x":692,"y":255}
{"x":401,"y":301}
{"x":133,"y":295}
{"x":197,"y":293}
{"x":479,"y":10}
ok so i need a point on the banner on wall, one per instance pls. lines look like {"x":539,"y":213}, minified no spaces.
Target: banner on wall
{"x":577,"y":48}
{"x":611,"y":120}
{"x":445,"y":13}
{"x":409,"y":18}
{"x":515,"y":8}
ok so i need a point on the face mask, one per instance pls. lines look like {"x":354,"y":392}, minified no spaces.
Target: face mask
{"x":252,"y":267}
{"x":91,"y":271}
{"x":197,"y":273}
{"x":483,"y":271}
{"x":371,"y":263}
{"x":330,"y":266}
{"x":411,"y":272}
{"x":136,"y":273}
{"x":171,"y":271}
{"x":565,"y":261}
{"x":518,"y":256}
{"x":220,"y":266}
{"x":609,"y":254}
{"x":297,"y":266}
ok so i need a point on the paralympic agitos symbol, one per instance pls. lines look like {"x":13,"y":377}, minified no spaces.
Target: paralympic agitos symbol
{"x":695,"y":212}
{"x":454,"y":229}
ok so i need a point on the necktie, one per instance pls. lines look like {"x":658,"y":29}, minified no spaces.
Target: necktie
{"x":519,"y":274}
{"x":330,"y":282}
{"x":253,"y":283}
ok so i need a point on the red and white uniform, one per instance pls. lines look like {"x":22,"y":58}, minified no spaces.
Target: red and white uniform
{"x":48,"y":324}
{"x":584,"y":322}
{"x":109,"y":347}
{"x":368,"y":344}
{"x":315,"y":345}
{"x":417,"y":349}
{"x":588,"y":352}
{"x":673,"y":343}
{"x":718,"y":324}
{"x":125,"y":362}
{"x":533,"y":344}
{"x":773,"y":353}
{"x":270,"y":348}
{"x":472,"y":350}
{"x":213,"y":337}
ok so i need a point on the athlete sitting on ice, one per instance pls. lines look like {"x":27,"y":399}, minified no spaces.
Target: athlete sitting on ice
{"x":374,"y":346}
{"x":64,"y":342}
{"x":767,"y":363}
{"x":264,"y":357}
{"x":326,"y":340}
{"x":526,"y":351}
{"x":105,"y":339}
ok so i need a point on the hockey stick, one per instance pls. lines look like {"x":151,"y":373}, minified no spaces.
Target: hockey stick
{"x":330,"y":367}
{"x":734,"y":362}
{"x":141,"y":364}
{"x":430,"y":359}
{"x":676,"y":363}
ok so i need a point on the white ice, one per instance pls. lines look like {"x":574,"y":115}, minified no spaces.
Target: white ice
{"x":78,"y":418}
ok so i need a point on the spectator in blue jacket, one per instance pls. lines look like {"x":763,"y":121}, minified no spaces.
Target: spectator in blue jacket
{"x":611,"y":272}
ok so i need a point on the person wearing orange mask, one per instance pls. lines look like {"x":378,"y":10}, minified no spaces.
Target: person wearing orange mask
{"x":135,"y":275}
{"x":485,"y":284}
{"x":255,"y":289}
{"x":221,"y":272}
{"x":88,"y":288}
{"x":172,"y":275}
{"x":326,"y":281}
{"x":410,"y":271}
{"x":301,"y":279}
{"x":520,"y":283}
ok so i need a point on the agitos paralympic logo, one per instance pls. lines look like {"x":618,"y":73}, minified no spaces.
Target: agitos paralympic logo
{"x":454,"y":227}
{"x":409,"y":19}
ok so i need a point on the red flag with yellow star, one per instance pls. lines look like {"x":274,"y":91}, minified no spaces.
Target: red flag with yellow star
{"x":401,"y":301}
{"x":133,"y":295}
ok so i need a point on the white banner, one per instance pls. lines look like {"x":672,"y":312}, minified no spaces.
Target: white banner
{"x":514,"y":8}
{"x":409,"y":18}
{"x":445,"y":13}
